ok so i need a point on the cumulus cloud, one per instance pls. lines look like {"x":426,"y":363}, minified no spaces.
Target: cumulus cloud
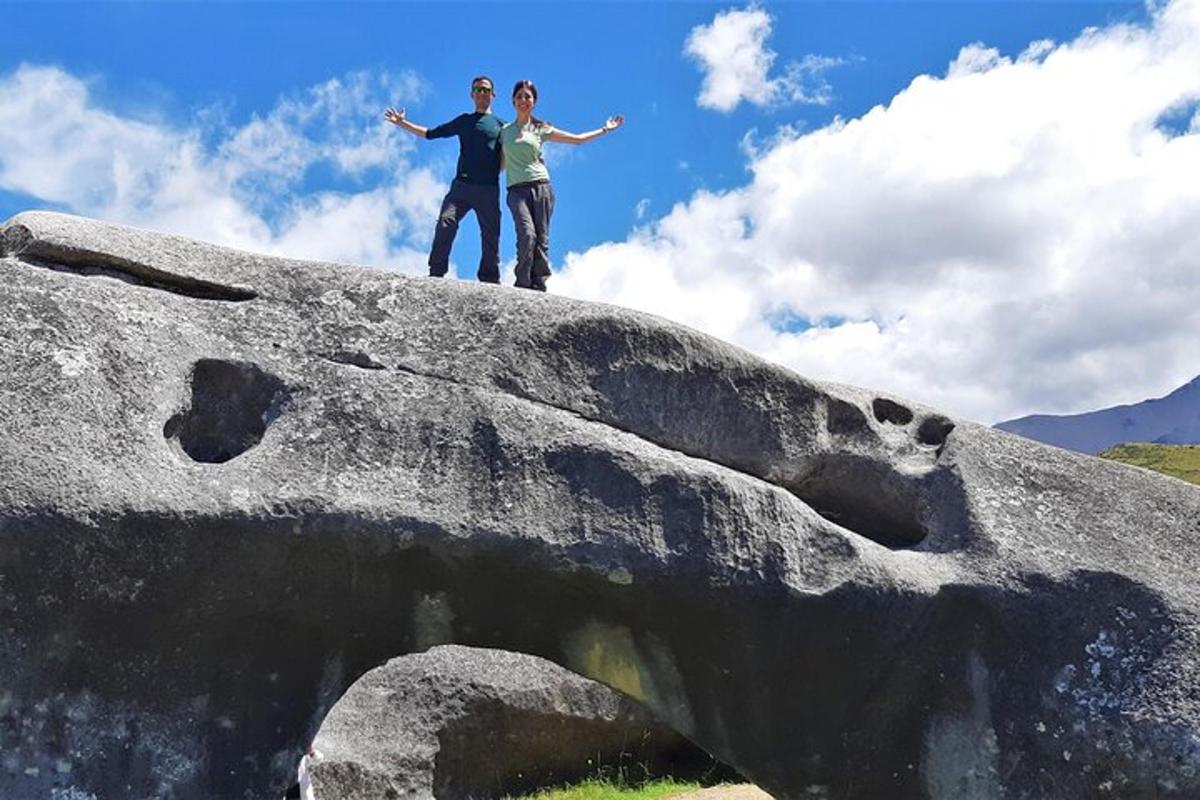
{"x":733,"y":54}
{"x":243,"y":186}
{"x":1018,"y":234}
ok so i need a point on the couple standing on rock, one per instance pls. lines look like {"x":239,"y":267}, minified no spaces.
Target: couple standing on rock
{"x":486,"y":145}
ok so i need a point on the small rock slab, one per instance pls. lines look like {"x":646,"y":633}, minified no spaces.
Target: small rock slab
{"x":460,"y":722}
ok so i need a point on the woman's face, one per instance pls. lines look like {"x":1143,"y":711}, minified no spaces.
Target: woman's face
{"x":523,"y":101}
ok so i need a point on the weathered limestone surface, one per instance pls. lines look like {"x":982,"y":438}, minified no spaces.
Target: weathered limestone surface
{"x":460,"y":722}
{"x":232,"y":484}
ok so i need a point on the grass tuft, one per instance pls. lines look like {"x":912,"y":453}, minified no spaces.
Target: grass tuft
{"x":1177,"y":460}
{"x":609,"y":789}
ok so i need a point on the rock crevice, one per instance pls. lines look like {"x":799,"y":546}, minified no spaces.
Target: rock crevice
{"x":18,"y":242}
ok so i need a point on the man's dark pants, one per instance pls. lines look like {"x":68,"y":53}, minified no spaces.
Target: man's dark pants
{"x":485,"y":202}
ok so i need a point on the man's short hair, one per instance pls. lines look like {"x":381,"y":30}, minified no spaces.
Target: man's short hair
{"x":478,"y":78}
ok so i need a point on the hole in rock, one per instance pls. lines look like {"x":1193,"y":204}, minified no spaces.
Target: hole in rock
{"x":845,"y":419}
{"x":233,"y":403}
{"x":934,"y":430}
{"x":889,"y":411}
{"x":865,"y":496}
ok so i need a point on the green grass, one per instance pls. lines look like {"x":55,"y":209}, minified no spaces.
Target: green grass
{"x":1176,"y":460}
{"x":602,"y":789}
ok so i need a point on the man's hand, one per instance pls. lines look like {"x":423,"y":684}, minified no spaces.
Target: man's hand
{"x":397,"y":117}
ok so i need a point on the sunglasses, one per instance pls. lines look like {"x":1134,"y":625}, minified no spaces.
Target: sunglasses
{"x":481,"y":90}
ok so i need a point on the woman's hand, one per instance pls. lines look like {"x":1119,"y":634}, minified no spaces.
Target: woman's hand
{"x":612,"y":123}
{"x":394,"y":115}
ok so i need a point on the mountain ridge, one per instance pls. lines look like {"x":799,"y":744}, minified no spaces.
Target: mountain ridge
{"x":1171,"y":419}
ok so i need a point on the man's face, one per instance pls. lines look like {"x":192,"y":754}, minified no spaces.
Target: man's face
{"x":481,"y":93}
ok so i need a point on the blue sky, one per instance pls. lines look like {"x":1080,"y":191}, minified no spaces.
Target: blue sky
{"x":259,"y":125}
{"x":169,"y":61}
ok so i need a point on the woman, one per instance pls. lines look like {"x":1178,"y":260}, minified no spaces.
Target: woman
{"x":530,"y":196}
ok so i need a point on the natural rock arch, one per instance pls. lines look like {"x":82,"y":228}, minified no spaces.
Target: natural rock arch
{"x":837,"y":593}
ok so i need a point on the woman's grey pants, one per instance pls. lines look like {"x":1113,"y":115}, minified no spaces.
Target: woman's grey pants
{"x":532,"y":205}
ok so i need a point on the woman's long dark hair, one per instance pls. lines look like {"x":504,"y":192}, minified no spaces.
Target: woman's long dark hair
{"x":524,"y":84}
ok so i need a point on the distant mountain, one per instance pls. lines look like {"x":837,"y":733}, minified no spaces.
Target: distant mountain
{"x":1174,"y":419}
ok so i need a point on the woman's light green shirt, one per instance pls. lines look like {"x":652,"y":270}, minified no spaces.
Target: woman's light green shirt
{"x":523,"y":152}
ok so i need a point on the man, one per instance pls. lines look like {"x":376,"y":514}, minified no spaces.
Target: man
{"x":476,"y":185}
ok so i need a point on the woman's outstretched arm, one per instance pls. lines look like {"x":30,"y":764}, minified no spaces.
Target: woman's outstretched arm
{"x":566,"y":137}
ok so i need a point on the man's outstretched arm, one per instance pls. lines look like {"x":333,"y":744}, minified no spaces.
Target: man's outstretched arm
{"x":396,"y":117}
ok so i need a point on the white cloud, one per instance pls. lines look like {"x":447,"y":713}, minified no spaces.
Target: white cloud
{"x":1016,"y":235}
{"x":732,"y":51}
{"x":244,"y":187}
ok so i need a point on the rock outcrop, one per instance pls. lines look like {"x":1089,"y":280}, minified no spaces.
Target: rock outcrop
{"x":459,"y":722}
{"x":230,"y":485}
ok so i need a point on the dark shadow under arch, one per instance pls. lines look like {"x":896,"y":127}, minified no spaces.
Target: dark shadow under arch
{"x":257,"y":632}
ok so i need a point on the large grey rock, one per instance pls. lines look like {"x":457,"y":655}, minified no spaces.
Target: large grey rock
{"x":230,"y":485}
{"x":460,"y":722}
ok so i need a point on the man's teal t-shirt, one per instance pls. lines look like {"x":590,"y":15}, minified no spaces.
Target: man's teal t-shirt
{"x":478,"y":146}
